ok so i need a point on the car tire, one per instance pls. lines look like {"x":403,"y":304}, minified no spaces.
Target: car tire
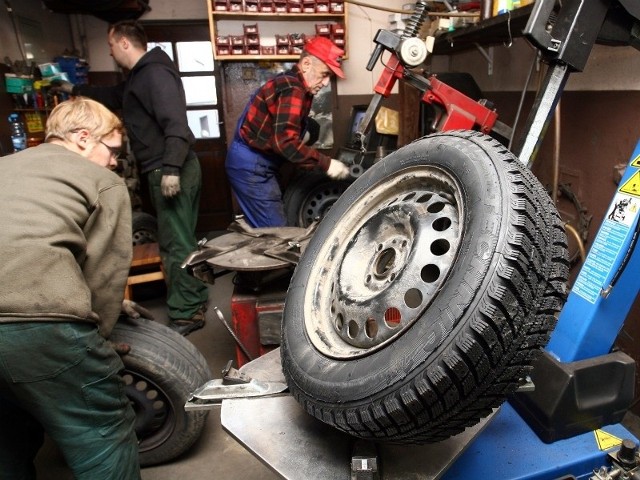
{"x":145,"y":228}
{"x":309,"y":196}
{"x":161,"y":371}
{"x":425,"y":293}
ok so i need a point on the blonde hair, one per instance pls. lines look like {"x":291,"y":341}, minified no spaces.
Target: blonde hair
{"x":81,"y":113}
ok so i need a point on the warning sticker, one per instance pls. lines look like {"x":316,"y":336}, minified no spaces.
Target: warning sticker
{"x":605,"y":440}
{"x":632,"y":186}
{"x":636,"y":162}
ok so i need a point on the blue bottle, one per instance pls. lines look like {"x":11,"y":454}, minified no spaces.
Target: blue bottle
{"x":18,"y":135}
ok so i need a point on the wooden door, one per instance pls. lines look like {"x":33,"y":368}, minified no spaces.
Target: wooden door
{"x":189,"y":45}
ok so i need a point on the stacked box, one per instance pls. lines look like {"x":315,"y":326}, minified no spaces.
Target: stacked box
{"x":336,"y":6}
{"x":280,"y":6}
{"x":337,"y":34}
{"x":220,"y":6}
{"x":308,"y":6}
{"x":294,"y":6}
{"x":223,"y":45}
{"x":77,"y":69}
{"x":265,"y":6}
{"x":236,"y":6}
{"x":268,"y":50}
{"x":323,"y":30}
{"x":251,"y":6}
{"x":322,"y":6}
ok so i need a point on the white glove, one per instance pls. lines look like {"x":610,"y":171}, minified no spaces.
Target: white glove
{"x":170,"y":185}
{"x":338,"y":170}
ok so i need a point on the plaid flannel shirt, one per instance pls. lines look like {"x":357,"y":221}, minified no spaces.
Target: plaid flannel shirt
{"x":275,"y":120}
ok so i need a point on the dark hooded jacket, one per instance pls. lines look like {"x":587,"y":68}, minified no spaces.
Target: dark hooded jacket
{"x":153,"y":106}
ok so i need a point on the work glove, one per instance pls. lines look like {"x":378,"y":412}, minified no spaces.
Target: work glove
{"x":61,"y":86}
{"x":133,"y":310}
{"x":338,"y":170}
{"x":170,"y":185}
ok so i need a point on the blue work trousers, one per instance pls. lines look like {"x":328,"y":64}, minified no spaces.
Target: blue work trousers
{"x":63,"y":378}
{"x":254,"y":181}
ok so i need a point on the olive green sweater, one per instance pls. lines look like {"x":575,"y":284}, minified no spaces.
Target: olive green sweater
{"x":65,"y":238}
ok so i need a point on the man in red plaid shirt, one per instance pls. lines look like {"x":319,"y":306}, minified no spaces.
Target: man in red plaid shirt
{"x":271,"y":130}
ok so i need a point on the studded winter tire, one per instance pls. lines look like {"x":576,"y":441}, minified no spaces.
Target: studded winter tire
{"x":426,"y":292}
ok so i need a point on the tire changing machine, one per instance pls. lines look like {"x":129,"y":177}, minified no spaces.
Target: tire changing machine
{"x":563,"y":423}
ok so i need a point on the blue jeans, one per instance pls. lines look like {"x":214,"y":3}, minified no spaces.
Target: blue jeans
{"x":63,"y":378}
{"x":254,"y":182}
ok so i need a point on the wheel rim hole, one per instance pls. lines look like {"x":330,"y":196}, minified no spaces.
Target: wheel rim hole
{"x":385,"y":262}
{"x":424,"y":198}
{"x":353,"y":329}
{"x":440,"y":247}
{"x":413,"y":298}
{"x":141,"y":386}
{"x":371,"y":328}
{"x":368,"y":279}
{"x":441,"y":224}
{"x":152,"y":394}
{"x":339,"y":322}
{"x":409,"y":197}
{"x":158,"y":405}
{"x":430,"y":273}
{"x":435,"y":207}
{"x":392,"y":317}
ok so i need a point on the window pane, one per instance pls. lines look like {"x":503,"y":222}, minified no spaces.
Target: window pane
{"x":204,"y":123}
{"x":195,"y":56}
{"x":166,"y":46}
{"x":200,"y":90}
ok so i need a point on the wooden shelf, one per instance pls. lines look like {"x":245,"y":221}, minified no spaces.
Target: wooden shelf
{"x":269,"y":20}
{"x":500,"y":29}
{"x":257,"y":58}
{"x":274,"y":16}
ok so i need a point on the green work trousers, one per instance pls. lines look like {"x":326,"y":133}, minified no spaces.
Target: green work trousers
{"x":63,"y":378}
{"x":177,"y":217}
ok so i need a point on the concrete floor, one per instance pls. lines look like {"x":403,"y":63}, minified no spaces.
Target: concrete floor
{"x":216,"y":454}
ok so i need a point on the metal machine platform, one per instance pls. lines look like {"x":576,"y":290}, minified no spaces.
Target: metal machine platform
{"x":297,"y":446}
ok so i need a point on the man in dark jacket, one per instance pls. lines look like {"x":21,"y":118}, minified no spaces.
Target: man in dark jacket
{"x":153,"y":105}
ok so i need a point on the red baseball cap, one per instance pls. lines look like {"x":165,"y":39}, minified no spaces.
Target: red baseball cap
{"x":327,"y":51}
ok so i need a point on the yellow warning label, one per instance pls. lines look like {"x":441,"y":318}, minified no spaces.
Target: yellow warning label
{"x":636,"y":162}
{"x":632,"y":186}
{"x":605,"y":440}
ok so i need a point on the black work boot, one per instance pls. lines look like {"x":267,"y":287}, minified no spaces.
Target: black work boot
{"x":184,"y":326}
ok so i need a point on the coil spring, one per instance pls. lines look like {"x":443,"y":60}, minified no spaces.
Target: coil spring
{"x":418,"y":17}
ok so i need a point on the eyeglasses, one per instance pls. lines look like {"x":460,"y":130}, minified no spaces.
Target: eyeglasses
{"x":115,"y":152}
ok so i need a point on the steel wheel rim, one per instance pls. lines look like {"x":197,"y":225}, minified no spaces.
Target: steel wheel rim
{"x":384,"y":262}
{"x":153,"y":408}
{"x":318,"y":202}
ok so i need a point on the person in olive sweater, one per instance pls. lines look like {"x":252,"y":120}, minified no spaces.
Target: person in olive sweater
{"x":65,"y":252}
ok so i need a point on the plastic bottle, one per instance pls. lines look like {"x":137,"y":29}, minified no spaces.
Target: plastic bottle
{"x":502,"y":6}
{"x":18,"y":135}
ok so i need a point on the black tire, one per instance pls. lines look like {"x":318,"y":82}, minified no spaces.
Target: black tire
{"x":426,"y":292}
{"x":162,"y":369}
{"x":309,"y":196}
{"x":145,"y":228}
